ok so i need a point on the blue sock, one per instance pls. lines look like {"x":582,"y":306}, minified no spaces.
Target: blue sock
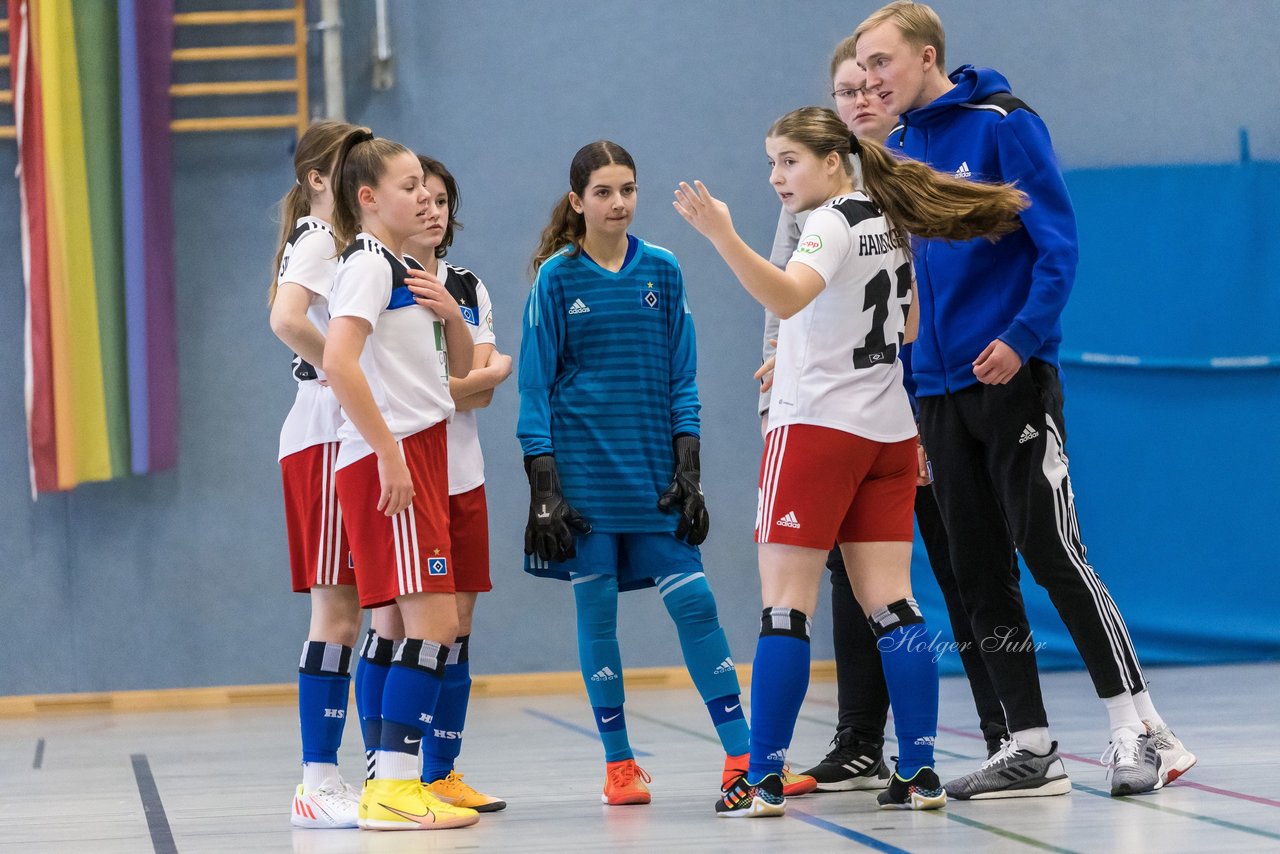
{"x":911,"y":674}
{"x":409,"y":702}
{"x":371,"y":678}
{"x":324,"y":683}
{"x":612,"y":724}
{"x":692,"y":607}
{"x":779,"y":680}
{"x":441,"y":748}
{"x":596,"y":597}
{"x":730,"y":724}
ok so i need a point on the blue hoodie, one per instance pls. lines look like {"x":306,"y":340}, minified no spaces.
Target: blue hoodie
{"x":973,"y":292}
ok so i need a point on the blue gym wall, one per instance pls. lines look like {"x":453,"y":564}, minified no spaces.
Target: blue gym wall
{"x":179,"y":579}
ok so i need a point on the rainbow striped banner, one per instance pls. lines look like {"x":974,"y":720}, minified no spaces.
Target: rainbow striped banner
{"x":91,"y":102}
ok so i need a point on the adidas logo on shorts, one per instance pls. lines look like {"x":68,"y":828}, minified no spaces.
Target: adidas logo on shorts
{"x":724,"y":667}
{"x":788,"y":521}
{"x":1028,"y":433}
{"x":578,"y":307}
{"x":604,"y":674}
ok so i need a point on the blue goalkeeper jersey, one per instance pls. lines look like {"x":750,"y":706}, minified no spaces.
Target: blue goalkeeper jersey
{"x":608,"y":368}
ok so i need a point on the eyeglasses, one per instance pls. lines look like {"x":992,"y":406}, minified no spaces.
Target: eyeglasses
{"x":850,"y":94}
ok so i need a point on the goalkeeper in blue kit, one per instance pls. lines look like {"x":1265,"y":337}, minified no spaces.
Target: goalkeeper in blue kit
{"x":610,"y":433}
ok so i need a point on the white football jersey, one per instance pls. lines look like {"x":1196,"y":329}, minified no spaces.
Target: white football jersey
{"x":838,"y":360}
{"x":404,"y":360}
{"x":310,"y":259}
{"x":466,"y":462}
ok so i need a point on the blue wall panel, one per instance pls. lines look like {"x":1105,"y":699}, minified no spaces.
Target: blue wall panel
{"x":179,"y":579}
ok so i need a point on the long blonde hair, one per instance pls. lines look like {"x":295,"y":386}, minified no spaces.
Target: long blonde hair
{"x":916,"y":199}
{"x":316,"y":151}
{"x":566,"y":226}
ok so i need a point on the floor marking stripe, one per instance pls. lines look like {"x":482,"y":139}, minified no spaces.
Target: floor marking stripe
{"x":581,"y":730}
{"x":847,"y":833}
{"x":157,"y":822}
{"x":39,"y":760}
{"x":1142,"y":801}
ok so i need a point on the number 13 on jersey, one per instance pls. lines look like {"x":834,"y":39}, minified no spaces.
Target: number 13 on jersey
{"x":884,"y":340}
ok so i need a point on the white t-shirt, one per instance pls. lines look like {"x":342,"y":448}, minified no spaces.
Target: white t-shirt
{"x":838,"y":361}
{"x":404,"y":360}
{"x":310,"y":259}
{"x":466,"y":462}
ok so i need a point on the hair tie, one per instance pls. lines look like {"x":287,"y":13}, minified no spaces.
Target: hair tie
{"x":363,"y":135}
{"x":855,"y":146}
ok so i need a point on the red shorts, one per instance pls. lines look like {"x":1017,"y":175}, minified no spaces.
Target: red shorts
{"x":409,"y":552}
{"x":820,"y":486}
{"x":469,"y":540}
{"x":318,"y":549}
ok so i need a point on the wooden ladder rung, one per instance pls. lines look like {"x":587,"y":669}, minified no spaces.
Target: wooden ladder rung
{"x":245,"y":16}
{"x":254,"y":51}
{"x":8,"y":132}
{"x":237,"y":87}
{"x":235,"y":123}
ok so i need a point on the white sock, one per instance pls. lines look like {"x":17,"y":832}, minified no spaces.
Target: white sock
{"x":1035,"y":739}
{"x":315,"y":774}
{"x":1123,"y":714}
{"x":1146,"y":711}
{"x":393,"y":765}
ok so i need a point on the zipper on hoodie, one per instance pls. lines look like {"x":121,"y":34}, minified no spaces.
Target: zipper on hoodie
{"x":902,"y":137}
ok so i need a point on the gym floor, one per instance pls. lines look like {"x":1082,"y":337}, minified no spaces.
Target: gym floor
{"x":221,"y":779}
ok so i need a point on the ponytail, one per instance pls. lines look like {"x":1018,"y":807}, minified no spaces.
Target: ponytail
{"x":567,"y":227}
{"x":927,"y":203}
{"x":916,"y":199}
{"x":315,"y":152}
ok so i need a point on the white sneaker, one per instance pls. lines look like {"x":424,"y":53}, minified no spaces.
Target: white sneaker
{"x":1175,"y":759}
{"x":1133,"y":763}
{"x":333,"y":805}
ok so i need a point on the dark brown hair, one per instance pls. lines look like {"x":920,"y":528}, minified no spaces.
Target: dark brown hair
{"x":315,"y":151}
{"x":431,"y":166}
{"x":567,"y":227}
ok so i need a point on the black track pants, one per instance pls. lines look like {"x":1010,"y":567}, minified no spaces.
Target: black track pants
{"x":1001,"y":478}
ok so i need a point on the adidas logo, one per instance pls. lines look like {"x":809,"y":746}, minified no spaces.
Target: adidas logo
{"x":963,"y":171}
{"x":778,"y":755}
{"x":604,"y":674}
{"x":578,"y":307}
{"x":724,"y":667}
{"x":1028,"y":433}
{"x":788,"y":521}
{"x":926,"y":739}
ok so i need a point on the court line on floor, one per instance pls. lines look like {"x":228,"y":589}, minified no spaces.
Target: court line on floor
{"x":152,"y":807}
{"x":1143,"y":802}
{"x":1180,"y":783}
{"x":846,"y":832}
{"x":572,"y":727}
{"x":849,"y":833}
{"x":39,"y":760}
{"x":947,"y":753}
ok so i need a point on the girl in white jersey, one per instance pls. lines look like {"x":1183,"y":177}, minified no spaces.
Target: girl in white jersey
{"x":318,"y":551}
{"x":840,"y":457}
{"x":468,"y":513}
{"x":389,"y":358}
